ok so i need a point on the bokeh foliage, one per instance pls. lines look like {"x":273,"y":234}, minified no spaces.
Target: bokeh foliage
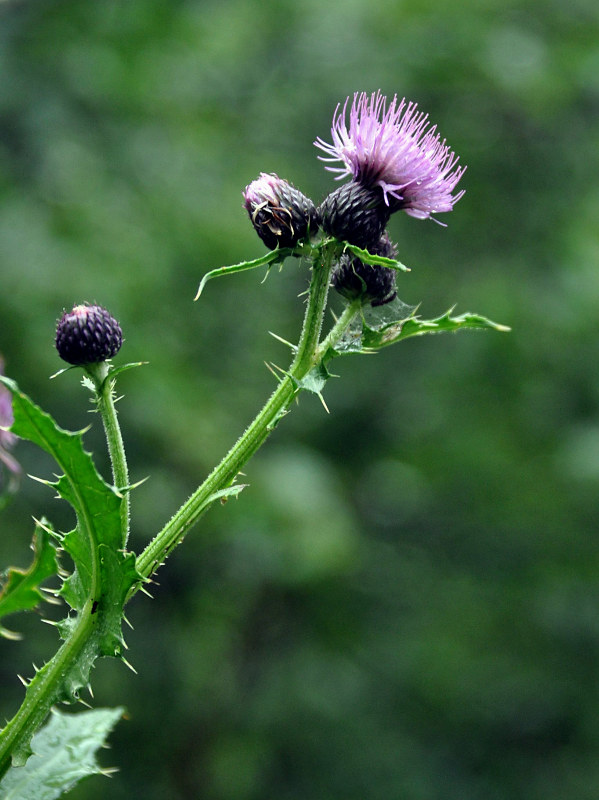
{"x":405,"y":602}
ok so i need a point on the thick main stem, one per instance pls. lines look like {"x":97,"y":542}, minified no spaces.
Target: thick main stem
{"x":225,"y":473}
{"x":42,"y":692}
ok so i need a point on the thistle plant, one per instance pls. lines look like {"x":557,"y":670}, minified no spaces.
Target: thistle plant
{"x":394,"y":160}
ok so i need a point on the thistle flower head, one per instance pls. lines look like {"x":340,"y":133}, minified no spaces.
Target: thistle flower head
{"x":394,"y":147}
{"x":280,"y":213}
{"x":87,"y":335}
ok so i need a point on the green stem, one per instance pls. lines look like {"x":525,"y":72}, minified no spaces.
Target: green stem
{"x":48,"y":684}
{"x":340,"y":326}
{"x":42,"y":693}
{"x":224,"y":474}
{"x":100,"y":375}
{"x":44,"y":689}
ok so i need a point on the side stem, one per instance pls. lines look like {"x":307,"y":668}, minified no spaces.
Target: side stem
{"x":224,"y":474}
{"x":100,"y":375}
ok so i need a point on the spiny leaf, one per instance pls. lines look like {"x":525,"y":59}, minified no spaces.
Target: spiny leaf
{"x":448,"y":323}
{"x":64,"y":752}
{"x":21,"y":588}
{"x":315,"y":380}
{"x":381,"y":326}
{"x":375,"y":260}
{"x":114,"y":371}
{"x":95,"y":502}
{"x":270,"y":258}
{"x":103,"y":573}
{"x":414,"y":326}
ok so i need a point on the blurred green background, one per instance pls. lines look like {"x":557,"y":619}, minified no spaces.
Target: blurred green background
{"x":405,"y":602}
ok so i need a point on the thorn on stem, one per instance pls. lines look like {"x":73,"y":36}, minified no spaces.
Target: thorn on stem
{"x":127,"y":664}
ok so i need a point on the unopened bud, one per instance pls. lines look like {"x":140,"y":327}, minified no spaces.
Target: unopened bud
{"x":355,"y":213}
{"x":87,"y":335}
{"x":353,"y":278}
{"x":280,"y":213}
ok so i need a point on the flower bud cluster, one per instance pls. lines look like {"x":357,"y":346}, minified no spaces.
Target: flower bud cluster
{"x":395,"y":161}
{"x":283,"y":217}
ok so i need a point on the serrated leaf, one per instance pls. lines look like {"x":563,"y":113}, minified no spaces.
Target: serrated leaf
{"x":448,"y":323}
{"x":315,"y":380}
{"x":103,"y":573}
{"x":114,"y":371}
{"x":371,"y":319}
{"x":119,"y":574}
{"x":224,"y":494}
{"x":95,"y":502}
{"x":381,"y":326}
{"x":64,"y":752}
{"x":266,"y":260}
{"x":414,"y":326}
{"x":21,"y":588}
{"x":376,"y":260}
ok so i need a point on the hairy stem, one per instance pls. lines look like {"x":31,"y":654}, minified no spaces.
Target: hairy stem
{"x":306,"y":356}
{"x":340,"y":326}
{"x":104,"y":386}
{"x":42,"y":693}
{"x":45,"y":688}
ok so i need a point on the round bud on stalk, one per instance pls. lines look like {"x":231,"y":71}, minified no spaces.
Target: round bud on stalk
{"x":355,"y":213}
{"x":88,"y":335}
{"x":280,"y":213}
{"x":353,"y":278}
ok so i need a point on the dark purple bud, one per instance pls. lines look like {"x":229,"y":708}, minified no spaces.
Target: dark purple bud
{"x":280,"y":213}
{"x":356,"y":214}
{"x":353,"y":278}
{"x":87,"y":335}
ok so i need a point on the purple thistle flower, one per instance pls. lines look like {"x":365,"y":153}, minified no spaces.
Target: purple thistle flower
{"x":393,"y":147}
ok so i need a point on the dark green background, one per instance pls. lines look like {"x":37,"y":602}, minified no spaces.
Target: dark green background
{"x":405,"y":602}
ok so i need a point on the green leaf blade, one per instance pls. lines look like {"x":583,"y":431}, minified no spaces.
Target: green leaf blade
{"x":21,"y":588}
{"x":95,"y":502}
{"x":382,"y":326}
{"x":376,"y":260}
{"x":64,"y":753}
{"x":103,"y":574}
{"x":446,"y":323}
{"x":266,"y":260}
